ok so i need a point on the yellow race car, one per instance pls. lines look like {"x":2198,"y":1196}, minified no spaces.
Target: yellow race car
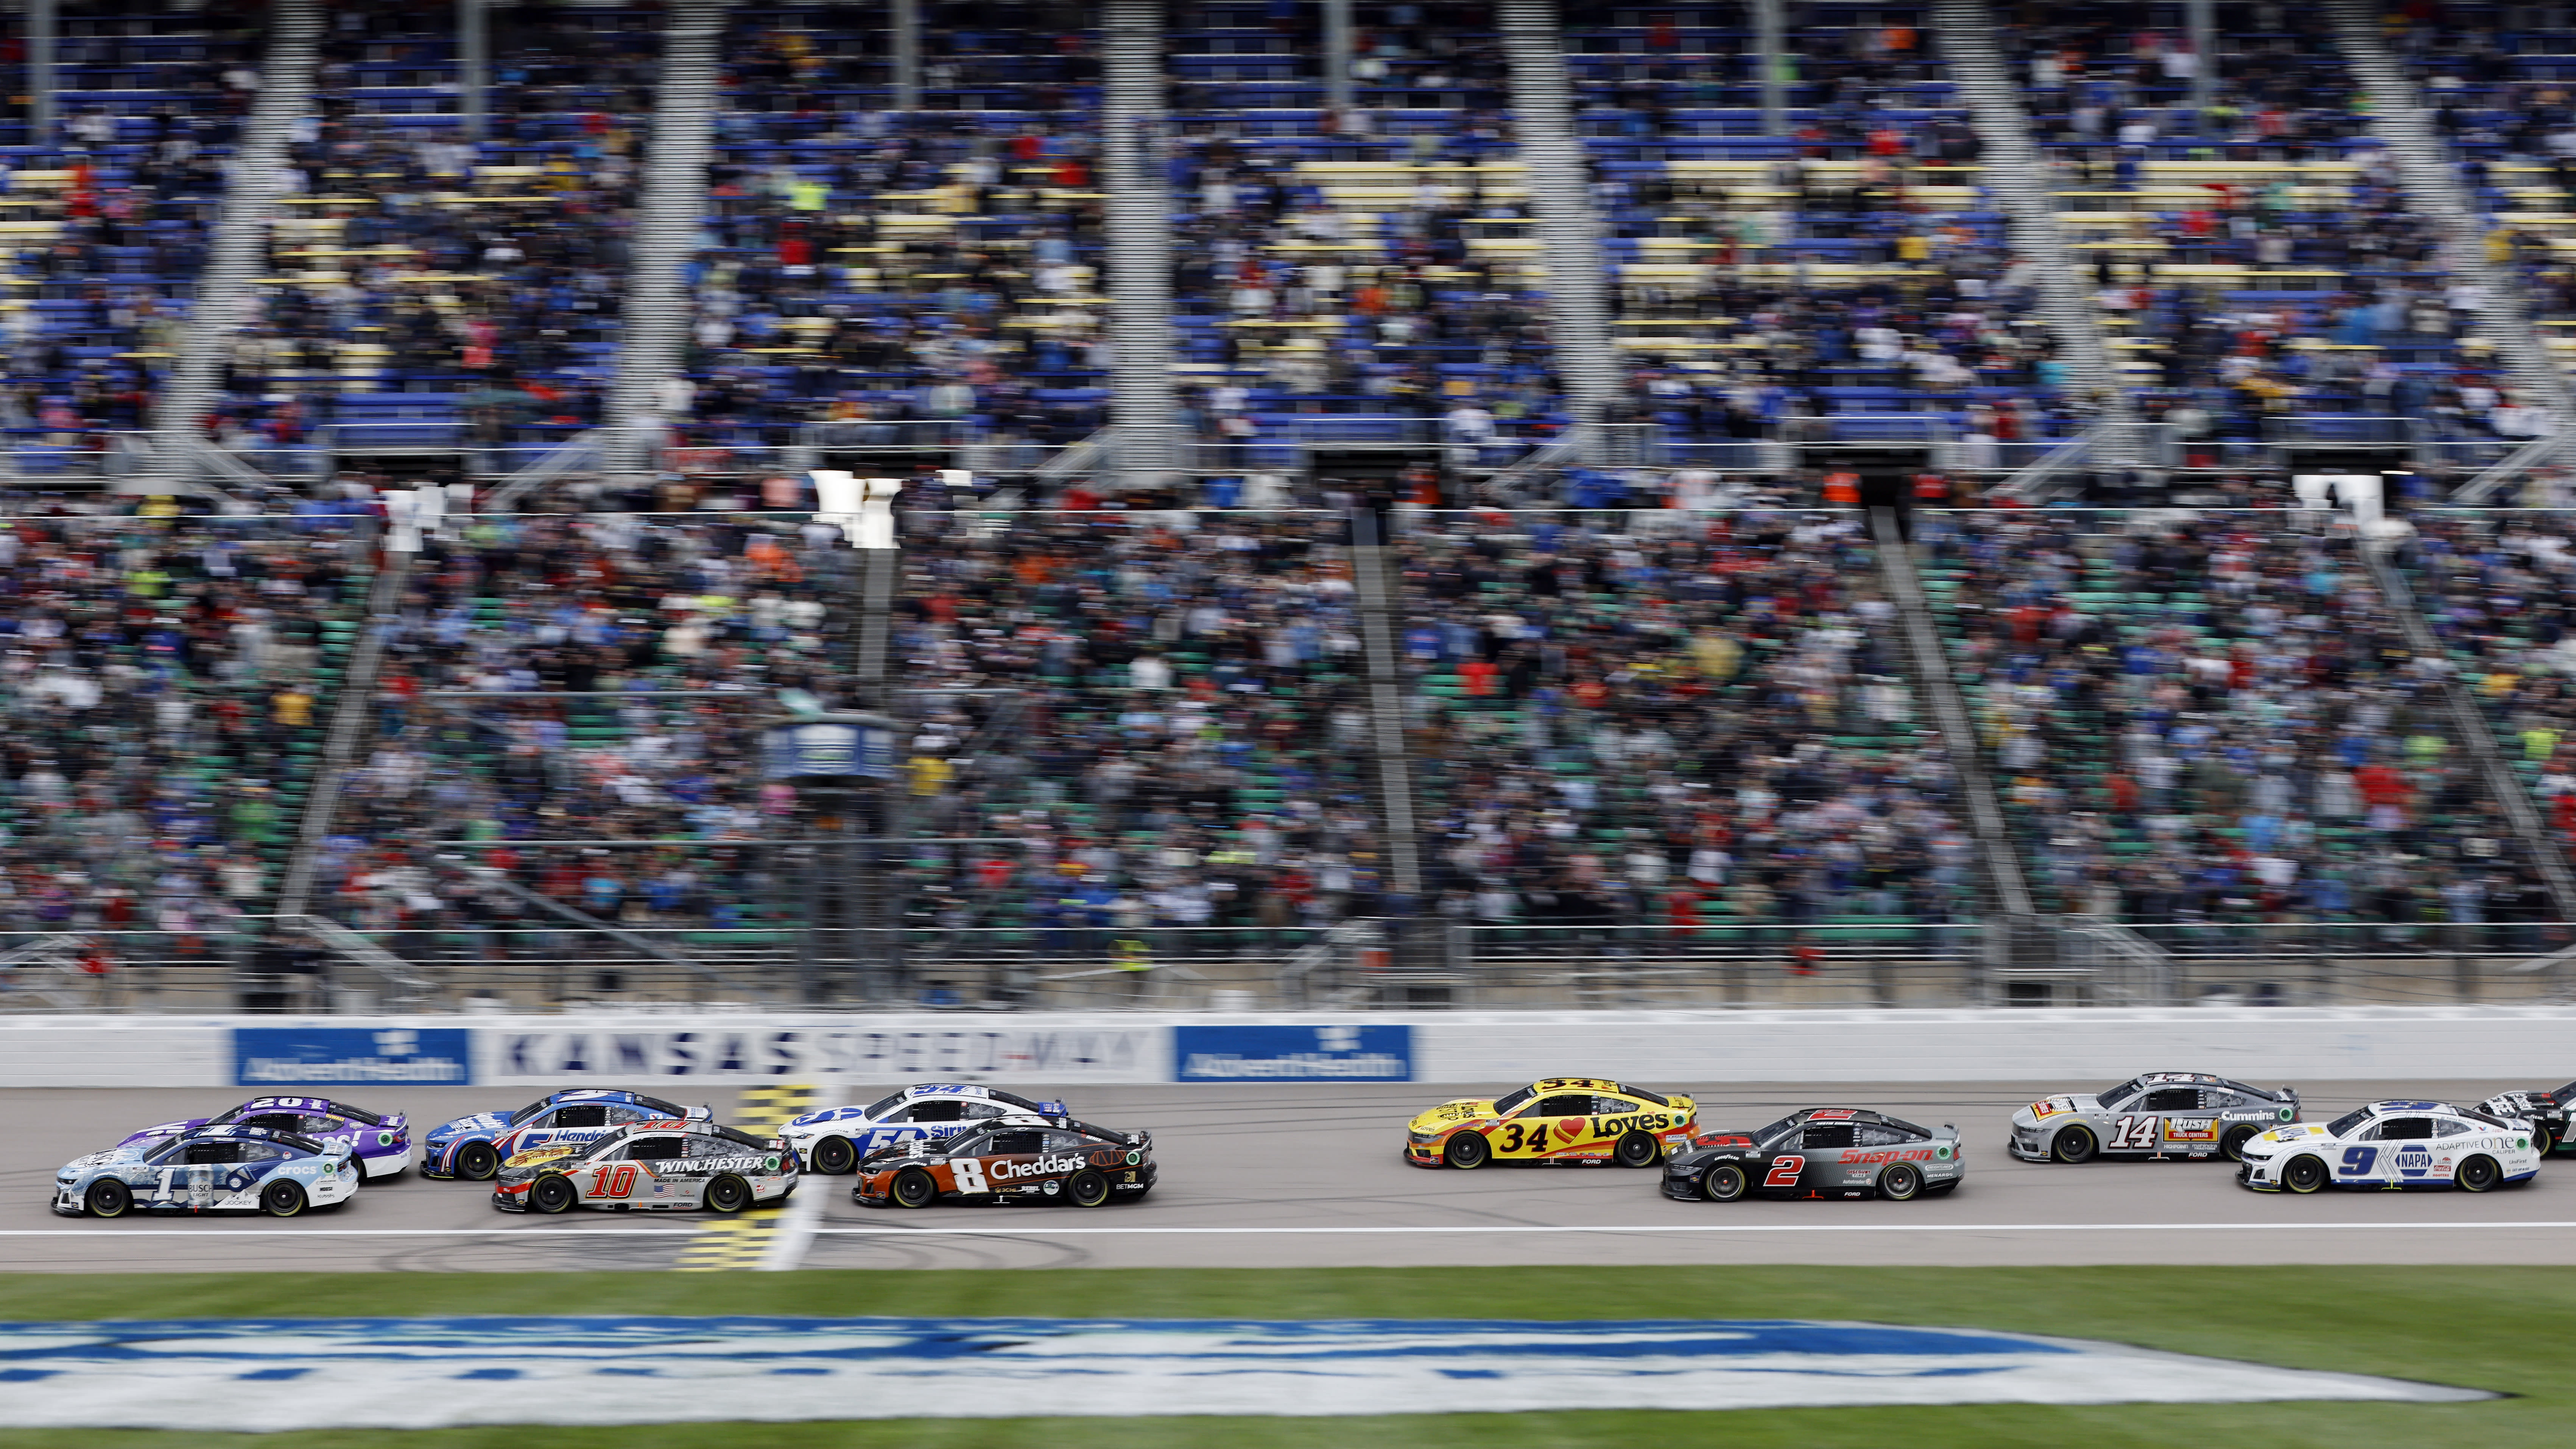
{"x":1556,"y":1119}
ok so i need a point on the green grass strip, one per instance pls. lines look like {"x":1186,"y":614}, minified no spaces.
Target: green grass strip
{"x":2506,"y":1329}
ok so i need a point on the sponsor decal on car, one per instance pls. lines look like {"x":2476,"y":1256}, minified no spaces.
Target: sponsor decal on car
{"x":1043,"y":1167}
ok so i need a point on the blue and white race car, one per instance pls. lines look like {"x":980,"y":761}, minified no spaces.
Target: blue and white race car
{"x":475,"y":1147}
{"x":831,"y":1140}
{"x":2393,"y":1145}
{"x":382,"y":1144}
{"x":209,"y":1169}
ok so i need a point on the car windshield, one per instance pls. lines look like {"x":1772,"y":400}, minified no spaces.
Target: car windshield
{"x":2474,"y":1115}
{"x":2349,"y":1122}
{"x":1903,"y":1126}
{"x":1642,"y":1095}
{"x":2120,"y":1093}
{"x":661,"y":1108}
{"x":877,"y":1109}
{"x":2564,"y":1095}
{"x":530,"y":1110}
{"x":600,"y":1145}
{"x":1765,"y":1134}
{"x":165,"y":1150}
{"x":343,"y":1109}
{"x":1509,"y":1103}
{"x":739,"y":1137}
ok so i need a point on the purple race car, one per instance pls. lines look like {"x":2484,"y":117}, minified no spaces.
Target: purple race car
{"x":381,"y":1144}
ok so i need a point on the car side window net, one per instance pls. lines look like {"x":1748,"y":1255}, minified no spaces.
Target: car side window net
{"x":655,"y":1149}
{"x":1565,"y":1104}
{"x":1838,"y":1134}
{"x":938,"y":1112}
{"x":1025,"y":1141}
{"x":2172,"y":1099}
{"x":587,"y":1114}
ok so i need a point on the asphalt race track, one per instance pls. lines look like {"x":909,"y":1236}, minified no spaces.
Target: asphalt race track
{"x":1310,"y":1176}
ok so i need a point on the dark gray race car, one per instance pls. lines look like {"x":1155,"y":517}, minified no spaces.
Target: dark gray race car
{"x":1837,"y":1152}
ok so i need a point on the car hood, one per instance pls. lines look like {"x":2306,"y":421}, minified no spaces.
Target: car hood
{"x":829,"y":1115}
{"x":1712,"y":1144}
{"x":2262,"y":1144}
{"x":123,"y":1151}
{"x":2049,"y":1109}
{"x":165,"y":1131}
{"x":479,"y":1122}
{"x":1452,"y":1114}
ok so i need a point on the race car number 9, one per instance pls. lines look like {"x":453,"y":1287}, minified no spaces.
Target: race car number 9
{"x":968,"y":1172}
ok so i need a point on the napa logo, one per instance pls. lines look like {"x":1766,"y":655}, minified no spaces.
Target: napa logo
{"x":2412,"y":1160}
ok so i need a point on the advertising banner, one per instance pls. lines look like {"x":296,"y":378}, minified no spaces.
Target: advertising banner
{"x":1372,"y":1053}
{"x":612,"y":1054}
{"x":337,"y":1056}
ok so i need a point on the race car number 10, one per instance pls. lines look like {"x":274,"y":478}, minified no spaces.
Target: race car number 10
{"x":617,"y":1183}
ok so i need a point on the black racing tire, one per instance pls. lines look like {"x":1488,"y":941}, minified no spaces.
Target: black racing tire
{"x":2304,"y":1174}
{"x":2074,"y":1144}
{"x":478,"y":1161}
{"x":1086,"y":1189}
{"x":1467,"y":1151}
{"x":2232,"y":1146}
{"x":109,"y":1198}
{"x":2479,"y":1174}
{"x":281,"y":1199}
{"x":1901,"y":1182}
{"x":1724,"y":1182}
{"x":833,"y":1156}
{"x":914,"y":1189}
{"x":553,"y":1193}
{"x":728,"y":1194}
{"x":2541,"y":1141}
{"x":1637,"y":1149}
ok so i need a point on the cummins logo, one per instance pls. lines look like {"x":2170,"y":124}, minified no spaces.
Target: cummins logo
{"x":1043,"y":1167}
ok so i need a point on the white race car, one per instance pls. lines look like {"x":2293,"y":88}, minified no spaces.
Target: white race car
{"x":831,"y":1140}
{"x":2393,"y":1145}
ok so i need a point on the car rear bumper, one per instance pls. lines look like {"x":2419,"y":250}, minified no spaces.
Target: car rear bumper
{"x":388,"y":1164}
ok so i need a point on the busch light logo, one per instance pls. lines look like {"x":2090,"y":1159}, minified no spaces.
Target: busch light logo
{"x":1374,"y":1053}
{"x":330,"y":1056}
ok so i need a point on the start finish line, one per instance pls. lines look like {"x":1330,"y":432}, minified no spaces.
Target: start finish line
{"x":265,"y":1375}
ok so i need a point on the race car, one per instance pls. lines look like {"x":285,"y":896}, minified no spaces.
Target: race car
{"x":660,"y":1166}
{"x":475,"y":1147}
{"x":2160,"y":1114}
{"x":231,"y":1168}
{"x":1068,"y":1162}
{"x":832,"y":1140}
{"x":1820,"y":1152}
{"x":2393,"y":1145}
{"x":382,"y":1144}
{"x":1555,"y":1119}
{"x":2544,"y":1109}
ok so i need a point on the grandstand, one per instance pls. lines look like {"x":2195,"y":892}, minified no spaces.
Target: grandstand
{"x":1821,"y":502}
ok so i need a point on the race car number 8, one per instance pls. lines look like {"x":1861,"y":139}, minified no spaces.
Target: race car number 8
{"x":1784,"y":1172}
{"x":969,"y":1174}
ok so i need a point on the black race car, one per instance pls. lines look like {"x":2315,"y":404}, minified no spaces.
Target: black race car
{"x":2544,"y":1109}
{"x":1064,"y":1161}
{"x":1819,"y":1152}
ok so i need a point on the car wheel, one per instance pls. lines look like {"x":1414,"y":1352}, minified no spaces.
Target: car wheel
{"x":2074,"y":1144}
{"x":2478,"y":1174}
{"x":477,"y":1161}
{"x":281,"y":1199}
{"x":1086,"y":1189}
{"x":1900,"y":1182}
{"x":2304,"y":1174}
{"x":914,"y":1189}
{"x":1725,"y":1182}
{"x":552,"y":1195}
{"x":2233,"y":1144}
{"x":2541,"y":1141}
{"x":1637,"y":1149}
{"x":834,"y":1156}
{"x":728,"y":1194}
{"x":1466,"y":1151}
{"x":109,"y":1198}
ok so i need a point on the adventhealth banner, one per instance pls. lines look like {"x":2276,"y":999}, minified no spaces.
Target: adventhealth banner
{"x":1375,"y":1053}
{"x":333,"y":1056}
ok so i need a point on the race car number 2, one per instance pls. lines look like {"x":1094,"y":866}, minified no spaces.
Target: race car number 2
{"x":1784,"y":1171}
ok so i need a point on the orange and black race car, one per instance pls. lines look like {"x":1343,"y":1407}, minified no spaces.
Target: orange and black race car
{"x":1581,"y":1120}
{"x":1065,"y":1161}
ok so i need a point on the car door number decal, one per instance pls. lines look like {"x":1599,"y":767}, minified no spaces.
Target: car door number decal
{"x":1532,"y":1137}
{"x":2357,"y":1161}
{"x":163,"y":1195}
{"x":1784,"y":1172}
{"x":616,"y":1182}
{"x":969,"y":1174}
{"x":2134,"y":1134}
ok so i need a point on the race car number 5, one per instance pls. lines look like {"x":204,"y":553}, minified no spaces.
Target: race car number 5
{"x":969,"y":1173}
{"x":1784,"y":1171}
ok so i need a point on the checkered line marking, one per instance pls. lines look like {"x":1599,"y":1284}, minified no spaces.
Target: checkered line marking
{"x":742,"y":1241}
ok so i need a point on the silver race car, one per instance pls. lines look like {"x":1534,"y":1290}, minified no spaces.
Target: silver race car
{"x":2160,"y":1114}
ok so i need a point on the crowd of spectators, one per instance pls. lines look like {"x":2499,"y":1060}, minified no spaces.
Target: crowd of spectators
{"x":2215,"y":719}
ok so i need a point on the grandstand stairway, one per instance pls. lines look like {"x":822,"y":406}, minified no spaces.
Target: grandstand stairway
{"x":1140,"y":236}
{"x":1560,"y":195}
{"x":239,"y":247}
{"x":2014,"y":176}
{"x":657,"y":313}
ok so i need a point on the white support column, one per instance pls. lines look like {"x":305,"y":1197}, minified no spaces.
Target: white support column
{"x":1770,"y":39}
{"x":1337,"y":54}
{"x":40,"y":72}
{"x":907,"y":54}
{"x":473,"y":65}
{"x":2204,"y":55}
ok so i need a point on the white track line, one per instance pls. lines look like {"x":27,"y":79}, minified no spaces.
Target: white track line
{"x":1047,"y":1232}
{"x":105,"y":1235}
